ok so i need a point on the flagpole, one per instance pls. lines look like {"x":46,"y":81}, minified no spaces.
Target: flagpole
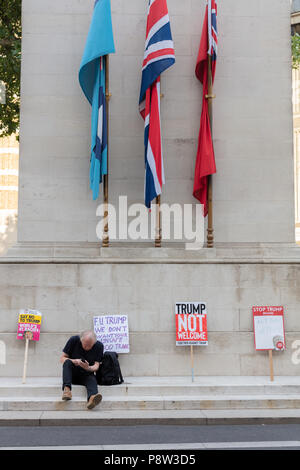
{"x":158,"y":223}
{"x":210,"y":97}
{"x":158,"y":212}
{"x":105,"y":239}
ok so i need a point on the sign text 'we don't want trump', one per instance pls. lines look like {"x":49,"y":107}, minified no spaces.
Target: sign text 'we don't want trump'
{"x":113,"y":332}
{"x":191,"y":324}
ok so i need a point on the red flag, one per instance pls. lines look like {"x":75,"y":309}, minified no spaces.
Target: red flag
{"x":205,"y":160}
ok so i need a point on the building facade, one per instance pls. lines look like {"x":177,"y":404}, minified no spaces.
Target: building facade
{"x":295,"y":20}
{"x":58,"y":265}
{"x":9,"y":169}
{"x":9,"y":183}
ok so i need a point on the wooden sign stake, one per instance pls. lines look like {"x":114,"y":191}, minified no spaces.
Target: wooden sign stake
{"x":28,"y":335}
{"x":25,"y":360}
{"x":271,"y":365}
{"x":192,"y":362}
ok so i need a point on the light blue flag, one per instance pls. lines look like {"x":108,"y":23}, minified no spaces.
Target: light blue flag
{"x":100,"y":42}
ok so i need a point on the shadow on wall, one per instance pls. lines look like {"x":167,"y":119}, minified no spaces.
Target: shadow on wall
{"x":9,"y":237}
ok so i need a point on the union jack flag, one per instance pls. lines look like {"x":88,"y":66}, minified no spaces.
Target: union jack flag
{"x":212,"y":29}
{"x":159,"y":56}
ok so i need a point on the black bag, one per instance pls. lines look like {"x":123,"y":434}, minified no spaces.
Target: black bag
{"x":109,"y":372}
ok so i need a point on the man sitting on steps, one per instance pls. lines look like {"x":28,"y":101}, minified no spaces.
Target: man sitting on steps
{"x":81,"y":358}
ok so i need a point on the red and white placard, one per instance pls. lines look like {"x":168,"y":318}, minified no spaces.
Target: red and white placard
{"x":268,"y":326}
{"x":191,"y":324}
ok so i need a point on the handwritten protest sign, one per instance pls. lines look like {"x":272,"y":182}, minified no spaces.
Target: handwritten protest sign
{"x":113,"y":332}
{"x":29,"y":321}
{"x":268,"y":328}
{"x":269,"y":335}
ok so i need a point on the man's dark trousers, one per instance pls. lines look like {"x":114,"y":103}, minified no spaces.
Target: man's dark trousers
{"x":76,"y":375}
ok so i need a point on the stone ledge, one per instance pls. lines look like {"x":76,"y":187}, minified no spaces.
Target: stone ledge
{"x":149,"y":417}
{"x":93,"y":253}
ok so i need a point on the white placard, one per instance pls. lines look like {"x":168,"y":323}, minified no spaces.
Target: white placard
{"x":268,"y":325}
{"x":113,"y":332}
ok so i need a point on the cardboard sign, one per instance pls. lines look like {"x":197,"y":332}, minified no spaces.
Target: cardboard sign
{"x":268,"y":325}
{"x":191,"y":324}
{"x":113,"y":332}
{"x":29,"y":325}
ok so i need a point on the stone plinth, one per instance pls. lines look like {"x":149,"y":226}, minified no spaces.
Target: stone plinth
{"x":146,"y":286}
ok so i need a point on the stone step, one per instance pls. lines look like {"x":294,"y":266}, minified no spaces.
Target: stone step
{"x":133,"y":391}
{"x":154,"y":394}
{"x":153,"y":400}
{"x":217,"y":402}
{"x":100,"y":417}
{"x":156,"y":387}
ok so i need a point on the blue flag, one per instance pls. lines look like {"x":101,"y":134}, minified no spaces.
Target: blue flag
{"x":100,"y":42}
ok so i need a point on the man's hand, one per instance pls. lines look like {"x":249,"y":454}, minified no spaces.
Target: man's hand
{"x":84,"y":364}
{"x":76,"y":362}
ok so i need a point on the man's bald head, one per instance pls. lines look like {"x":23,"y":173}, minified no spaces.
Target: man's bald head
{"x":88,"y":339}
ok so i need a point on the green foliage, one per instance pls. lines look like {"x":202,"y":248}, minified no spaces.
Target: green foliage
{"x":296,"y":50}
{"x":10,"y":65}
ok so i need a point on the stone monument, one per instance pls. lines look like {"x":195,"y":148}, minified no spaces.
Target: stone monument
{"x":58,"y":265}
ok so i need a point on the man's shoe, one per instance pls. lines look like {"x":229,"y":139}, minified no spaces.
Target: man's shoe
{"x":94,"y":401}
{"x":67,"y":394}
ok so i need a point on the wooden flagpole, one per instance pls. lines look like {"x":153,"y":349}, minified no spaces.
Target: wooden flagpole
{"x":158,"y":212}
{"x":105,"y":239}
{"x":210,"y":96}
{"x":158,"y":223}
